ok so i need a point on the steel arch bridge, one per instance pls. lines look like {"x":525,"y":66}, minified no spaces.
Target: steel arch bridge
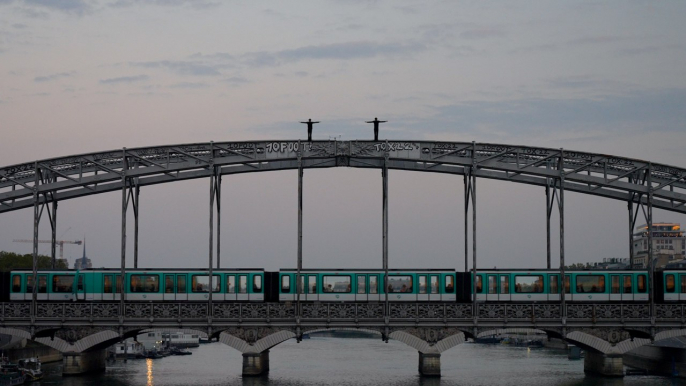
{"x":643,"y":185}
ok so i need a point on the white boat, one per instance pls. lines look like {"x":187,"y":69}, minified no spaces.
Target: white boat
{"x":31,"y":367}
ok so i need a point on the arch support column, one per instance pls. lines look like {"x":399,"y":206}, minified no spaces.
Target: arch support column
{"x":607,"y":365}
{"x":429,"y":364}
{"x":77,"y":363}
{"x":255,"y":364}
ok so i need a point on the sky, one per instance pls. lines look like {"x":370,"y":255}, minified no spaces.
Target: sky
{"x":84,"y":76}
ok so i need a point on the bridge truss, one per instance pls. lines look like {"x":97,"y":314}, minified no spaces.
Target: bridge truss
{"x":641,"y":184}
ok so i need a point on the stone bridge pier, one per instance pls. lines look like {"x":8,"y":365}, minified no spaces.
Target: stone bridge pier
{"x":255,"y":343}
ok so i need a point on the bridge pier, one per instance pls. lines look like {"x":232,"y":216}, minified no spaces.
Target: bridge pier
{"x":430,"y":364}
{"x":255,"y":364}
{"x":603,"y":364}
{"x":74,"y":363}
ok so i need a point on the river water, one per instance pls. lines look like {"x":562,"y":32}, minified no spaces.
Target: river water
{"x":336,"y":361}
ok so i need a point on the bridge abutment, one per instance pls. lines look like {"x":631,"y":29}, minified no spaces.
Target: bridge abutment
{"x":430,"y":364}
{"x":255,"y":364}
{"x":603,"y":364}
{"x":82,"y":363}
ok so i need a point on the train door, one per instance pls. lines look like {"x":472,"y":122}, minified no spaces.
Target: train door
{"x":242,"y":294}
{"x":504,"y":288}
{"x":480,"y":296}
{"x":107,"y":287}
{"x":41,"y":291}
{"x":169,"y":287}
{"x":434,"y":288}
{"x":682,"y":287}
{"x":118,"y":287}
{"x":423,"y":289}
{"x":286,"y":284}
{"x":181,"y":287}
{"x":492,"y":288}
{"x":627,"y":288}
{"x":615,"y":288}
{"x":361,"y":292}
{"x":81,"y":287}
{"x":311,"y":290}
{"x":641,"y":289}
{"x":230,"y":288}
{"x":256,"y":288}
{"x":449,"y":288}
{"x":553,"y":287}
{"x":373,"y":288}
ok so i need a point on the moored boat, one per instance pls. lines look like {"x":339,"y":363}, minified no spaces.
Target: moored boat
{"x":31,"y":367}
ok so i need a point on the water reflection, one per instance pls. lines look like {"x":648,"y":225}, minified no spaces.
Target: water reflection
{"x":148,"y":362}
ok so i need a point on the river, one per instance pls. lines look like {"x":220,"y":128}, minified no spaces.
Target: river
{"x":348,"y":362}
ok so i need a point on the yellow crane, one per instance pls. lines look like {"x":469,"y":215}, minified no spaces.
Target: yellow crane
{"x":57,"y":242}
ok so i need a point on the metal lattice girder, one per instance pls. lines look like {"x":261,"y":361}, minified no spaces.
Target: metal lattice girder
{"x":596,"y":174}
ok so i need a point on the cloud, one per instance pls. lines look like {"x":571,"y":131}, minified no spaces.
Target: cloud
{"x":588,"y":40}
{"x":125,"y":79}
{"x":236,"y":81}
{"x":189,"y":85}
{"x":19,"y":26}
{"x":181,"y":67}
{"x":78,"y":7}
{"x":196,"y":4}
{"x":482,"y":33}
{"x":48,"y":78}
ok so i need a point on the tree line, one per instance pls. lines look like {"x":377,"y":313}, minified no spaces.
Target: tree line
{"x":11,"y":260}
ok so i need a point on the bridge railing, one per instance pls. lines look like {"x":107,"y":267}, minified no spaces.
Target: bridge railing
{"x":356,"y":312}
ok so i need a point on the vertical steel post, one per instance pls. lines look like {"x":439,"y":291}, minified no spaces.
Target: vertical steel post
{"x":136,"y":201}
{"x":651,"y":262}
{"x":384,"y":176}
{"x":298,"y":286}
{"x":36,"y":221}
{"x":547,"y":218}
{"x":53,"y":225}
{"x":211,"y":244}
{"x":467,"y":192}
{"x":218,"y":179}
{"x":630,"y":206}
{"x":476,"y":314}
{"x":124,"y":206}
{"x":561,"y":207}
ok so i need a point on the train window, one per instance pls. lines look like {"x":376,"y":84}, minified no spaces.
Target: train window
{"x":492,"y":284}
{"x":107,"y":284}
{"x":568,"y":288}
{"x":361,"y":285}
{"x":201,"y":283}
{"x":373,"y":286}
{"x":336,"y":284}
{"x":642,"y":287}
{"x":528,"y":284}
{"x":312,"y":284}
{"x":670,"y":283}
{"x":399,"y":284}
{"x":422,"y":284}
{"x":62,"y":283}
{"x":168,"y":284}
{"x":79,"y":286}
{"x":554,"y":284}
{"x":145,"y":283}
{"x":257,"y":284}
{"x":285,"y":284}
{"x":42,"y":284}
{"x":243,"y":284}
{"x":16,"y":283}
{"x":479,"y":285}
{"x":434,"y":285}
{"x":29,"y":284}
{"x":180,"y":284}
{"x":230,"y":284}
{"x":627,"y":284}
{"x":615,"y":284}
{"x":504,"y":285}
{"x":449,"y":284}
{"x":590,"y":283}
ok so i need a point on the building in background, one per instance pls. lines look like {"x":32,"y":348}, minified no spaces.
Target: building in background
{"x":668,"y":245}
{"x":83,"y":262}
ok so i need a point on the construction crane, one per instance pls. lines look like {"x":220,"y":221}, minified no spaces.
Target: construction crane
{"x":58,"y":242}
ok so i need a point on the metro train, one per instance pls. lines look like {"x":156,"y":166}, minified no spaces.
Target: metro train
{"x":407,"y":285}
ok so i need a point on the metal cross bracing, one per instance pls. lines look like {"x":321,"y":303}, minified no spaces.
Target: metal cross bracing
{"x":42,"y":184}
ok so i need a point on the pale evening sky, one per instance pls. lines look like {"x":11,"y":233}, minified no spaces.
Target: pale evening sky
{"x":83,"y":76}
